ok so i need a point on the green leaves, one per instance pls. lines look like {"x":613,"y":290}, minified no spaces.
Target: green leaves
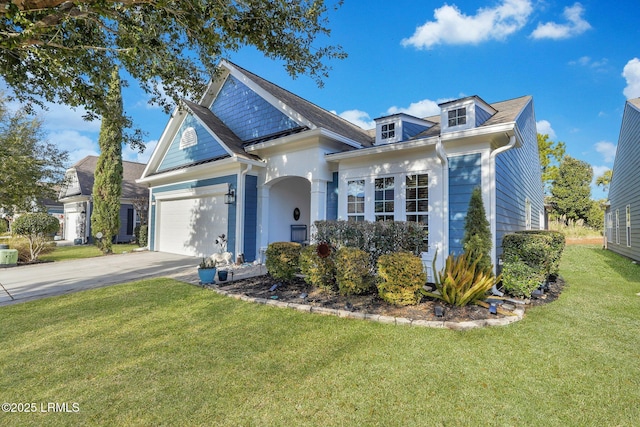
{"x":571,"y":191}
{"x":461,"y":282}
{"x":64,"y":52}
{"x":30,"y":166}
{"x":107,"y":185}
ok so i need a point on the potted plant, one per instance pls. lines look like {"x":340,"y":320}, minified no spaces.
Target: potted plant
{"x":207,"y":271}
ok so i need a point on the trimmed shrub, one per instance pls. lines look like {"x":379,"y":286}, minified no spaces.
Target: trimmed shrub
{"x":4,"y":226}
{"x":318,"y":271}
{"x":354,"y":273}
{"x":538,"y":249}
{"x":519,"y":279}
{"x":143,"y":236}
{"x":461,"y":282}
{"x":555,"y":248}
{"x":400,"y":278}
{"x":282,"y":260}
{"x":375,"y":238}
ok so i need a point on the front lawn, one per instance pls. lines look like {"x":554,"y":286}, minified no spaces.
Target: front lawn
{"x":161,"y":352}
{"x":63,"y":253}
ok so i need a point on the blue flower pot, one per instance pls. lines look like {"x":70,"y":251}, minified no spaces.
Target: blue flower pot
{"x":207,"y":275}
{"x":222,"y":275}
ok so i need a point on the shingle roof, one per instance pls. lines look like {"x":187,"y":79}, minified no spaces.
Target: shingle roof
{"x":507,"y":111}
{"x":131,"y":171}
{"x":316,"y":115}
{"x":635,"y":102}
{"x":220,"y":129}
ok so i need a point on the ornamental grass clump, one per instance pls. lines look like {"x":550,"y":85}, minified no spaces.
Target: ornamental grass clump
{"x":354,"y":276}
{"x":282,"y":260}
{"x":462,"y":281}
{"x":400,"y":278}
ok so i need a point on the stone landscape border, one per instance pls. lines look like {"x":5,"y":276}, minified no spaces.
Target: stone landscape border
{"x":518,"y":314}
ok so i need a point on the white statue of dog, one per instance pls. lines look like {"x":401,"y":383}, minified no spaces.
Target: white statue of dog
{"x":224,"y":258}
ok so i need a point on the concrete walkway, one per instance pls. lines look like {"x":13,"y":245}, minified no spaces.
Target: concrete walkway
{"x":31,"y":282}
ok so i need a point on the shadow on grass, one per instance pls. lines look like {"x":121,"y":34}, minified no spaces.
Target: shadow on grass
{"x":611,"y":262}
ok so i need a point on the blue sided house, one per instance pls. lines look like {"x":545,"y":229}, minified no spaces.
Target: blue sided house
{"x":622,"y":215}
{"x":259,"y":164}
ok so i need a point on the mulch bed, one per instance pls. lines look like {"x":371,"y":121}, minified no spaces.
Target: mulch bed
{"x":260,"y":287}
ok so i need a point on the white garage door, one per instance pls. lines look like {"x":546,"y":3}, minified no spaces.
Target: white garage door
{"x":190,"y":226}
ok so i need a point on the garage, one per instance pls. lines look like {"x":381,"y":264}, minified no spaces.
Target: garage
{"x":190,"y":225}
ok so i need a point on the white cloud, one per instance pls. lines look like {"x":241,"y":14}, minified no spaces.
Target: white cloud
{"x":358,"y":118}
{"x":78,"y":145}
{"x":586,"y":61}
{"x":451,"y":26}
{"x":631,"y":73}
{"x":607,"y":149}
{"x":63,"y":117}
{"x":420,"y":109}
{"x":134,"y":156}
{"x":576,"y":25}
{"x":544,"y":128}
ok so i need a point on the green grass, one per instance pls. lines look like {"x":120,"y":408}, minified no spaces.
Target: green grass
{"x":64,"y":253}
{"x":161,"y":352}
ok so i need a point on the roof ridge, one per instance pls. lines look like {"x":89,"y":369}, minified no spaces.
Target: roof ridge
{"x":257,"y":78}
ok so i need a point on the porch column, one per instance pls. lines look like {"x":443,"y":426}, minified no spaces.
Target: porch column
{"x":318,"y":208}
{"x":263,"y":221}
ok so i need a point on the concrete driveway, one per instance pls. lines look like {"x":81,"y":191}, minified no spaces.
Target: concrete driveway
{"x":30,"y":282}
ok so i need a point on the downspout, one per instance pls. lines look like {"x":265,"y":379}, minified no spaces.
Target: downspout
{"x":240,"y":193}
{"x":492,"y":201}
{"x":442,"y":155}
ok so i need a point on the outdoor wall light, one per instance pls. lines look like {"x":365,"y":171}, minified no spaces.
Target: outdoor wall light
{"x":438,"y":311}
{"x":230,"y":197}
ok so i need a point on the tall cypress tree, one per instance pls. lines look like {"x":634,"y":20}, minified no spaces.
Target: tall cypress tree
{"x":107,"y":186}
{"x":477,"y":231}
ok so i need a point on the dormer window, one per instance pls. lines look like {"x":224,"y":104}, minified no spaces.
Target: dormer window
{"x":388,"y":131}
{"x":457,"y":117}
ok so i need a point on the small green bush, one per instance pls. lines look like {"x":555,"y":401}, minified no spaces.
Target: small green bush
{"x":282,"y":260}
{"x":519,"y":279}
{"x":353,"y":273}
{"x":400,"y":278}
{"x":539,"y":249}
{"x":319,"y":272}
{"x":461,"y":281}
{"x":556,"y":247}
{"x":4,"y":226}
{"x":375,"y":238}
{"x":143,"y":235}
{"x":38,"y":229}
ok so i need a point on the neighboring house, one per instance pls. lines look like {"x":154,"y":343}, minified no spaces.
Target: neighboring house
{"x":288,"y":163}
{"x":76,"y":195}
{"x":622,"y":216}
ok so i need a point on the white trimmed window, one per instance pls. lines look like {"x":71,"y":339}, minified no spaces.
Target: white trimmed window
{"x":610,"y":227}
{"x":355,"y":200}
{"x":527,"y":214}
{"x":457,"y":117}
{"x":388,"y":131}
{"x":417,"y":201}
{"x":628,"y":209}
{"x":384,"y":207}
{"x":617,"y":226}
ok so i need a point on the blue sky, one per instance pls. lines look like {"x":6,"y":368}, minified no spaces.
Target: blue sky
{"x":579,"y":61}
